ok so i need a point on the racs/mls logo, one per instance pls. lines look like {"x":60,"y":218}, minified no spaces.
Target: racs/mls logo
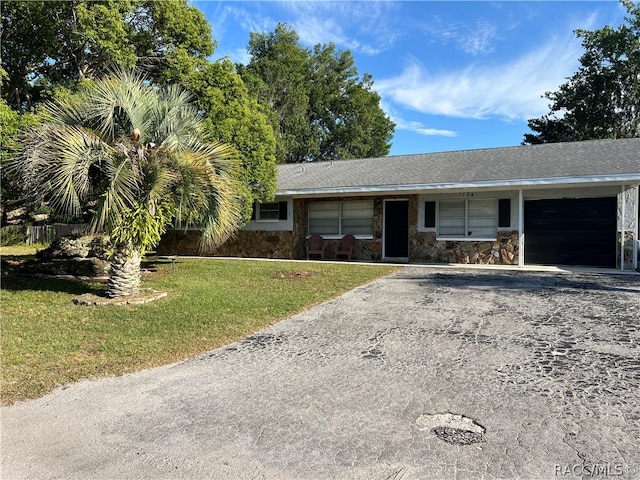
{"x":591,"y":470}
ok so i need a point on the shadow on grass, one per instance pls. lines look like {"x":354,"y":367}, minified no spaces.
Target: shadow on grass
{"x":153,"y":263}
{"x":17,"y":283}
{"x":13,"y":279}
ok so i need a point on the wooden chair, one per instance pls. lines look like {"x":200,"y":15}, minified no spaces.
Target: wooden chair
{"x":315,"y":246}
{"x":347,"y":246}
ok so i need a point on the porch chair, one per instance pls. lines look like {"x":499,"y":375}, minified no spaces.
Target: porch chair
{"x":346,"y":247}
{"x":315,"y":246}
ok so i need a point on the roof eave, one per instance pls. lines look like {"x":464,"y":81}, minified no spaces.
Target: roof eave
{"x":631,"y":178}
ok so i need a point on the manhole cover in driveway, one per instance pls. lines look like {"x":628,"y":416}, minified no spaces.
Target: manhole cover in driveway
{"x":453,"y":428}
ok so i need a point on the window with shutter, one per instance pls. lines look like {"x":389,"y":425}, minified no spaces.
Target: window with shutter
{"x":467,"y":218}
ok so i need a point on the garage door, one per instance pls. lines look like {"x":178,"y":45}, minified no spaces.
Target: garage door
{"x":571,"y":232}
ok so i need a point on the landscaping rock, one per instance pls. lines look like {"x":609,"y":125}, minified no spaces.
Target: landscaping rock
{"x":73,"y":246}
{"x":77,"y":256}
{"x":145,"y":295}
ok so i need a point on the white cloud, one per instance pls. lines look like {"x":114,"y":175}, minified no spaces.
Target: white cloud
{"x":340,"y":23}
{"x":419,"y":128}
{"x":344,"y":24}
{"x":313,"y":30}
{"x":239,"y":55}
{"x":434,"y":132}
{"x":413,"y":126}
{"x":479,"y":39}
{"x":511,"y":90}
{"x":474,"y":39}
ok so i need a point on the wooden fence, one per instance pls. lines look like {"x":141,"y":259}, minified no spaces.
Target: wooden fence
{"x":46,"y":234}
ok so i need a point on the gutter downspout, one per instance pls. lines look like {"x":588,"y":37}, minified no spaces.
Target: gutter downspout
{"x":520,"y":228}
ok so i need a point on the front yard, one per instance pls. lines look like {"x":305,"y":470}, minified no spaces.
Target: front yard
{"x":48,"y":341}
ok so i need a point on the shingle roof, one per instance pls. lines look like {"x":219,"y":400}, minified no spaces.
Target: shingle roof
{"x":571,"y":162}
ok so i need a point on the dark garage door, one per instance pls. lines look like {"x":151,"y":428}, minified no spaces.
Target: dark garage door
{"x":571,"y":232}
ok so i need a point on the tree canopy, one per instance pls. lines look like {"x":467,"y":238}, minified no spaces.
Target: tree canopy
{"x":602,"y":99}
{"x":136,"y":157}
{"x":46,"y":43}
{"x":233,"y":116}
{"x":288,"y":104}
{"x":169,"y":40}
{"x":322,"y":109}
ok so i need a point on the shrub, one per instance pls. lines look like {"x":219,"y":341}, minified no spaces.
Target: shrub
{"x":13,"y":235}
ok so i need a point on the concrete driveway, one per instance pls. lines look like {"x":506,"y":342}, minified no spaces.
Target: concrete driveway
{"x":427,"y":373}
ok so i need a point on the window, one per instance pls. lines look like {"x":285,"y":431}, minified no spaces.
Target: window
{"x":475,"y":218}
{"x":341,"y":218}
{"x":270,"y":211}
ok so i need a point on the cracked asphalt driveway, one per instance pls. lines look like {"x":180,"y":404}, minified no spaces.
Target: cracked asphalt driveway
{"x":427,"y":373}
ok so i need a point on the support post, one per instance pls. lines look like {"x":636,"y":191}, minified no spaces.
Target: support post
{"x":520,"y":228}
{"x":623,"y":227}
{"x":636,"y":230}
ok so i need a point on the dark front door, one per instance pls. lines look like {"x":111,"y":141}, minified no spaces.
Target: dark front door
{"x":577,"y":231}
{"x":396,"y":228}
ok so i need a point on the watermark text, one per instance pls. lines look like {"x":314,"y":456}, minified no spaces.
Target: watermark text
{"x":591,"y":470}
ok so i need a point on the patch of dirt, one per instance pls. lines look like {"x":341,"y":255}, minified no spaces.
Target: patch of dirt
{"x":146,"y":295}
{"x":294,"y":275}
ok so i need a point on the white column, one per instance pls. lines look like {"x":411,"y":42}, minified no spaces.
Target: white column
{"x":636,"y":230}
{"x":520,"y":228}
{"x":623,"y":228}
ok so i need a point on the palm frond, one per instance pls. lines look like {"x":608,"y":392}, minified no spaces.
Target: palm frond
{"x":176,"y":122}
{"x":159,"y":178}
{"x":213,"y":200}
{"x":56,"y":163}
{"x":120,"y":196}
{"x":70,"y":110}
{"x":118,"y":104}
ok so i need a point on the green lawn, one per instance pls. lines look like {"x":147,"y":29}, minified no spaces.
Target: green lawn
{"x":48,"y":341}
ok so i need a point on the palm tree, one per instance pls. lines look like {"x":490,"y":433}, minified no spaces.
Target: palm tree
{"x":135,"y":153}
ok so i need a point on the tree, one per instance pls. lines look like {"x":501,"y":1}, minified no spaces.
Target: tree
{"x":278,"y":73}
{"x":11,"y":124}
{"x":167,"y":39}
{"x":136,"y":154}
{"x":602,"y":99}
{"x":322,"y":109}
{"x":233,"y":116}
{"x":45,"y":43}
{"x":345,"y":112}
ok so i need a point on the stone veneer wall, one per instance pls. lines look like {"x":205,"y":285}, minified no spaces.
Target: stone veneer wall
{"x":248,"y":244}
{"x":629,"y":246}
{"x":503,"y":251}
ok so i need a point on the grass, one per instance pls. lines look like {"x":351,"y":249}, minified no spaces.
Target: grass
{"x":20,"y":250}
{"x":48,"y":341}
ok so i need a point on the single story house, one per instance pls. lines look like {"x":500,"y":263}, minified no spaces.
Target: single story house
{"x":573,"y":203}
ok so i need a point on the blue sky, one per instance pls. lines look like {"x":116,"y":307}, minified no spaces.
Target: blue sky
{"x":452,"y":75}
